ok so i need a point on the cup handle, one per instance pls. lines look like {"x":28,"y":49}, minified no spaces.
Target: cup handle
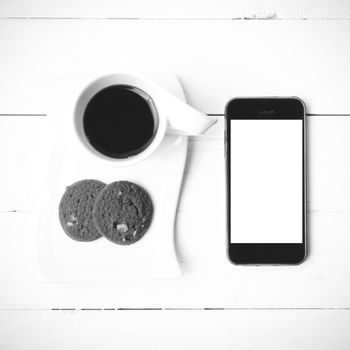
{"x":185,"y":120}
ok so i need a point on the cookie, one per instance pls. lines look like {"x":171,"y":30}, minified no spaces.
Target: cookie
{"x":123,"y":212}
{"x":75,"y":210}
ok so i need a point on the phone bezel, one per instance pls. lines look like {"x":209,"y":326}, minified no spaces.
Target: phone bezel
{"x":264,"y":108}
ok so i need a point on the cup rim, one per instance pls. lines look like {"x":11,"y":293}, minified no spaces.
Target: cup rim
{"x":123,"y":78}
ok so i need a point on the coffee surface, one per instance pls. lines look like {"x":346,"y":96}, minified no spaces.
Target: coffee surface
{"x":120,"y":121}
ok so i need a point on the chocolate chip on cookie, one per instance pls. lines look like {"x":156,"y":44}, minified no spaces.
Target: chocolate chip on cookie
{"x":123,"y":212}
{"x":75,"y":210}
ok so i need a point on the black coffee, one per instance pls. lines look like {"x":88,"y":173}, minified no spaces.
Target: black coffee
{"x":120,"y":121}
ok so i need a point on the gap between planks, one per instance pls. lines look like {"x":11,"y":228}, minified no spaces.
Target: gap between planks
{"x":202,"y":309}
{"x":208,"y":114}
{"x":182,"y":309}
{"x":272,"y":17}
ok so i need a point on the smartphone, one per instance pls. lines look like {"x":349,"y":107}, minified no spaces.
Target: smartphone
{"x":266,"y":180}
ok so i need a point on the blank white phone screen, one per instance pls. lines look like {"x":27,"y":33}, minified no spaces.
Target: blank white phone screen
{"x":266,"y":181}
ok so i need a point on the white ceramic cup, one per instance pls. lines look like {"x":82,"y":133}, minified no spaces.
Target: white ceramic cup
{"x":174,"y":116}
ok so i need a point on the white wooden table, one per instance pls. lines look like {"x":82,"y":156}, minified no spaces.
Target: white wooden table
{"x":218,"y":50}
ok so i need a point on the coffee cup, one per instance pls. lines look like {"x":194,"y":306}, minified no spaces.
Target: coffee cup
{"x":125,"y":116}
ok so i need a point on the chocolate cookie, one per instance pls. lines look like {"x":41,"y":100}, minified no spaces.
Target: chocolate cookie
{"x":123,"y":212}
{"x":75,"y":210}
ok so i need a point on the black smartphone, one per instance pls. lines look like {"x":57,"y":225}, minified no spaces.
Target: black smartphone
{"x":266,"y":180}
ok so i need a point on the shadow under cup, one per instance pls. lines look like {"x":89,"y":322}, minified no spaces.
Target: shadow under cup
{"x":120,"y":121}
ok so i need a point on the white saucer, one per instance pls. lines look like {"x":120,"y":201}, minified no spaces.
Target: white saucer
{"x":154,"y":256}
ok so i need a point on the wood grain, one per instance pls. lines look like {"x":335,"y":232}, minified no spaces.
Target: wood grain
{"x":208,"y":280}
{"x":25,"y":146}
{"x":196,"y":329}
{"x":214,"y":60}
{"x":179,"y":9}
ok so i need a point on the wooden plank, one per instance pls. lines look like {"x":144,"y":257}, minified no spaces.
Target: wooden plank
{"x":215,"y":60}
{"x":24,"y":146}
{"x":279,"y":329}
{"x":23,"y":153}
{"x":208,"y":279}
{"x":271,"y":9}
